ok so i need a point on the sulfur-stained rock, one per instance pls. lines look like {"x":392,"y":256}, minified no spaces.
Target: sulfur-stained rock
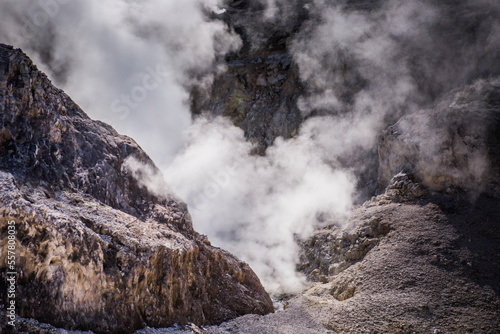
{"x":96,"y":250}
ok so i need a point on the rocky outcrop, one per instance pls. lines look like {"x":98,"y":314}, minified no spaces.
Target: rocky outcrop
{"x":455,"y":145}
{"x":329,"y":251}
{"x":95,"y":249}
{"x":46,"y":139}
{"x":406,"y":262}
{"x":260,"y":86}
{"x":423,"y":255}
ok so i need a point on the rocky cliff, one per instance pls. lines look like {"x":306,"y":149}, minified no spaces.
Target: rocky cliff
{"x":455,"y":145}
{"x":96,"y":250}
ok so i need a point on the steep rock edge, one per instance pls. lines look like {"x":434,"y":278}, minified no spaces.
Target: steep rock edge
{"x":95,"y":250}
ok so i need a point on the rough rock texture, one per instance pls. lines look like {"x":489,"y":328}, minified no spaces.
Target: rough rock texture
{"x":433,"y":268}
{"x":454,"y":145}
{"x":329,"y":251}
{"x":95,"y":249}
{"x":46,"y":139}
{"x":261,"y":84}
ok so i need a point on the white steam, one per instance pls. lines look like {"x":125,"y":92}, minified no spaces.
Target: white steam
{"x":352,"y":62}
{"x":123,"y":62}
{"x":128,"y":63}
{"x":257,"y":207}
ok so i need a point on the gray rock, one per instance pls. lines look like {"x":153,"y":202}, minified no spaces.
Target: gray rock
{"x":454,"y":145}
{"x":96,"y":250}
{"x":261,"y":84}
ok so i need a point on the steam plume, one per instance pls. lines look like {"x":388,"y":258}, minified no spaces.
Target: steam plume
{"x":363,"y":63}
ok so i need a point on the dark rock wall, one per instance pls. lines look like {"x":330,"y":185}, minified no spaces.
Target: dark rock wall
{"x":455,"y":145}
{"x":45,"y":138}
{"x":259,"y":89}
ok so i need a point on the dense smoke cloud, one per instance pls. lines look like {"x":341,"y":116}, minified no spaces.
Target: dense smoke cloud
{"x":363,"y":65}
{"x":383,"y":59}
{"x":393,"y":55}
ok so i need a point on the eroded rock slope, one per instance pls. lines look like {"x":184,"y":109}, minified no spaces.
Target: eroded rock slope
{"x":95,"y":250}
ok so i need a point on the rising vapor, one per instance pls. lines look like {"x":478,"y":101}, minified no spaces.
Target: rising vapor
{"x":364,"y":64}
{"x":100,"y":52}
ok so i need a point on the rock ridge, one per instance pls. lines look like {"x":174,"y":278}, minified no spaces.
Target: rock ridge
{"x":95,"y":249}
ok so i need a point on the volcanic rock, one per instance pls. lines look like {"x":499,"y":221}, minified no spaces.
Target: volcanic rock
{"x":455,"y":145}
{"x":96,"y":249}
{"x":260,"y":86}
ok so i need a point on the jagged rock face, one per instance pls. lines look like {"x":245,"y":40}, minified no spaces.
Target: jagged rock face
{"x":261,"y":84}
{"x":405,"y":262}
{"x":46,"y":138}
{"x":454,"y":145}
{"x":331,"y":250}
{"x":434,"y":271}
{"x":85,"y":265}
{"x":95,"y":250}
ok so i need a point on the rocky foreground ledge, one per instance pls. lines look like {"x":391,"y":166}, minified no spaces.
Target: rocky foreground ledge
{"x":95,"y":250}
